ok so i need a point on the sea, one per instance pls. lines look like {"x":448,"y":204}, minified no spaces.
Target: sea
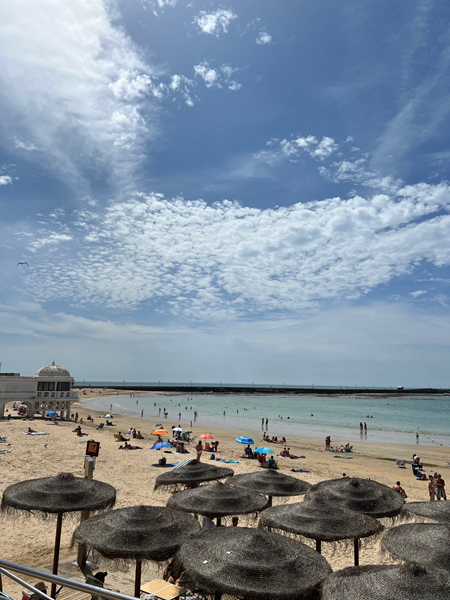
{"x":389,"y":419}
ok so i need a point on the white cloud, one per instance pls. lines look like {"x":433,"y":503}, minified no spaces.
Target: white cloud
{"x":48,"y":239}
{"x":355,"y":170}
{"x":217,"y":78}
{"x":25,"y":145}
{"x":5,"y":180}
{"x":418,"y":293}
{"x":213,"y":262}
{"x":68,"y":69}
{"x":210,"y":76}
{"x":158,"y":6}
{"x":263,"y":38}
{"x":216,"y":22}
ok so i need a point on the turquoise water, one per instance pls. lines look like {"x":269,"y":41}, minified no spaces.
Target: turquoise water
{"x":393,"y":420}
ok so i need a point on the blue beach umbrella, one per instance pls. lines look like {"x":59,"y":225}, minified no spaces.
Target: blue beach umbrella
{"x":51,"y":413}
{"x":244,"y":440}
{"x":160,"y":445}
{"x":264,"y":450}
{"x":158,"y":425}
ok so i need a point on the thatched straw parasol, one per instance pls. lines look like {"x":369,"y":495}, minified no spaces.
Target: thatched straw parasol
{"x":384,"y":582}
{"x":363,"y":495}
{"x":137,"y":533}
{"x":271,"y":483}
{"x":194,"y":472}
{"x":437,"y":511}
{"x":58,"y":495}
{"x":427,"y":544}
{"x":321,"y":522}
{"x":218,"y":500}
{"x":252,"y":564}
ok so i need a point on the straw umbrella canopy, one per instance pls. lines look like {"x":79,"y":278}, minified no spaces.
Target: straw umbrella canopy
{"x":427,"y":544}
{"x":137,"y":533}
{"x":58,"y":495}
{"x":252,"y":564}
{"x":218,"y":500}
{"x":193,"y":472}
{"x":270,"y":483}
{"x":321,"y":522}
{"x":363,"y":495}
{"x":384,"y":582}
{"x":437,"y":511}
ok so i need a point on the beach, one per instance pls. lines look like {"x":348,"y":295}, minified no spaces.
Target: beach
{"x":29,"y":541}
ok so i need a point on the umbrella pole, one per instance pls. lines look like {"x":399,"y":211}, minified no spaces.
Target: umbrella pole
{"x":56,"y":553}
{"x":319,"y":546}
{"x":137,"y":579}
{"x":270,"y":500}
{"x":219,"y":521}
{"x":356,"y":546}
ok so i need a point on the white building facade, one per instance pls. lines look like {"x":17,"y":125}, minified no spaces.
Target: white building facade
{"x":49,"y":389}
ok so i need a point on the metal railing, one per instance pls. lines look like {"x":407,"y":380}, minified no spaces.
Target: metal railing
{"x":6,"y":568}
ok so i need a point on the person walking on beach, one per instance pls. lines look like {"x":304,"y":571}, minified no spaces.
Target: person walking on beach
{"x":142,"y":412}
{"x":262,"y":423}
{"x":328,"y":443}
{"x":267,"y":424}
{"x":365,"y":426}
{"x":199,"y":450}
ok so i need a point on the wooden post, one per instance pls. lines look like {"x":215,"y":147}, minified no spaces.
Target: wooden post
{"x":270,"y":500}
{"x":219,"y":521}
{"x":89,"y":465}
{"x":56,"y":552}
{"x":356,"y":545}
{"x":137,"y":579}
{"x":319,"y":546}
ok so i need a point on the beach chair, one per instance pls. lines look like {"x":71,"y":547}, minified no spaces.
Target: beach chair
{"x":2,"y":440}
{"x":207,"y":447}
{"x":400,"y":464}
{"x":193,"y":439}
{"x":101,"y":427}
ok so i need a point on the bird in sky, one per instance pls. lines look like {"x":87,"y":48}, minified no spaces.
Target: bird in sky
{"x":22,"y":263}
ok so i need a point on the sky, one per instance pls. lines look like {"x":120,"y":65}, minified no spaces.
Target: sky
{"x":244,"y":191}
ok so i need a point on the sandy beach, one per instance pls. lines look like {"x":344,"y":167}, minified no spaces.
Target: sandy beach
{"x":30,"y":540}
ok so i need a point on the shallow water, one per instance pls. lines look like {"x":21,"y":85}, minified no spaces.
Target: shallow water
{"x":389,"y":420}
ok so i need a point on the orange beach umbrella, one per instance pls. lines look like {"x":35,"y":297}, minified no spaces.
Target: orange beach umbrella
{"x":160,"y":432}
{"x":205,"y":436}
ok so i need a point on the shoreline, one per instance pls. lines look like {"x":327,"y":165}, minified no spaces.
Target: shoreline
{"x":308,"y":430}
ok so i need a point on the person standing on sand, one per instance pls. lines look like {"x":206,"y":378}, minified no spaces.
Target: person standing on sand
{"x":439,"y":488}
{"x":267,"y":424}
{"x":431,"y":489}
{"x":199,"y":450}
{"x":262,"y":423}
{"x":417,"y":437}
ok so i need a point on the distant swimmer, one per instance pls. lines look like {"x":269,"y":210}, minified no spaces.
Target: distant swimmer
{"x":22,"y":263}
{"x":312,"y":415}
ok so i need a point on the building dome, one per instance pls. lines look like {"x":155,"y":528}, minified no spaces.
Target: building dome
{"x":52,"y":371}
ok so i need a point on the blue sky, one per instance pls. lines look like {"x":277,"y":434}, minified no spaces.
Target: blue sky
{"x":214,"y":191}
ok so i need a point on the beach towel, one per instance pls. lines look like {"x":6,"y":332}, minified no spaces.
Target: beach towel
{"x":5,"y":451}
{"x":231,"y":462}
{"x":35,"y":433}
{"x":344,"y":457}
{"x":319,"y":449}
{"x":298,"y":470}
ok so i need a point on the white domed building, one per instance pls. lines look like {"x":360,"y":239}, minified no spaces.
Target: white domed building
{"x":49,"y":389}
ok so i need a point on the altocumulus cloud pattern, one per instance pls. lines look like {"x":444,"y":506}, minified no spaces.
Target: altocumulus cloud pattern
{"x":221,"y":260}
